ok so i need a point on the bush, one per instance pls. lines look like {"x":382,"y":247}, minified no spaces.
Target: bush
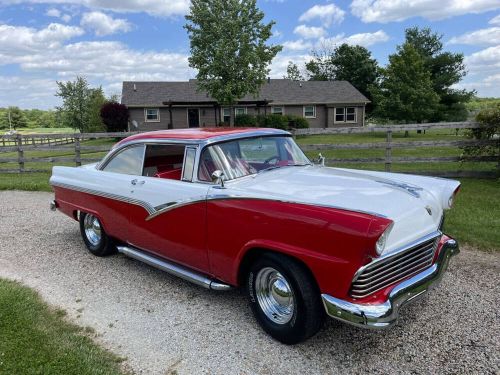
{"x":490,"y":119}
{"x":245,"y":120}
{"x":275,"y":121}
{"x":297,"y":122}
{"x":115,"y":117}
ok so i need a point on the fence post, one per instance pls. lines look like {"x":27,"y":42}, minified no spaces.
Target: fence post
{"x":78,"y":159}
{"x":20,"y":153}
{"x":388,"y":151}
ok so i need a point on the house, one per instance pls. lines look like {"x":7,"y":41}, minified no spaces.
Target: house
{"x":165,"y":105}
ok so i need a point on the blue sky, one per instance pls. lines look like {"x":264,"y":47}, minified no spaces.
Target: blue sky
{"x":109,"y":41}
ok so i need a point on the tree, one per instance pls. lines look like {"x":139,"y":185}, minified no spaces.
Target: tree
{"x":346,"y":63}
{"x":94,"y":104}
{"x":406,"y":93}
{"x":320,"y":68}
{"x":293,"y":72}
{"x":489,"y":118}
{"x":228,"y":47}
{"x":15,"y":117}
{"x":75,"y":96}
{"x":446,"y":69}
{"x":114,"y":116}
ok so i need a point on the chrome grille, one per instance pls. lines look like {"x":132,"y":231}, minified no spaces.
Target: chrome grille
{"x":391,"y":269}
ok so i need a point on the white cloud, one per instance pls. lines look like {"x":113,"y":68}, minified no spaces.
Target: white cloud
{"x":280,"y":63}
{"x":53,"y":12}
{"x":495,"y":20}
{"x":162,"y":8}
{"x":309,"y":32}
{"x":389,"y":10}
{"x":297,"y":45}
{"x":20,"y":39}
{"x":42,"y":55}
{"x":328,"y":14}
{"x":102,"y":24}
{"x":362,"y":39}
{"x":484,"y":61}
{"x":487,"y":36}
{"x":56,"y":13}
{"x":27,"y":92}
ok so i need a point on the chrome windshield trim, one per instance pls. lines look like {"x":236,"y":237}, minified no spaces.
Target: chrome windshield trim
{"x":430,"y":236}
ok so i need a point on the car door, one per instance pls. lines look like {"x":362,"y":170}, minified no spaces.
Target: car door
{"x":176,"y":226}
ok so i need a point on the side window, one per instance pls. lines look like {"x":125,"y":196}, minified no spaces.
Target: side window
{"x":189,"y":159}
{"x":164,"y":161}
{"x":128,"y":161}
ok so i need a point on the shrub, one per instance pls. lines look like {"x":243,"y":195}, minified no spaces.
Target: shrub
{"x":245,"y":120}
{"x":490,"y":119}
{"x":115,"y":116}
{"x":297,"y":122}
{"x":275,"y":121}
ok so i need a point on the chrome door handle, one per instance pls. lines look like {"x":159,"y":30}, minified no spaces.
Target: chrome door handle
{"x":135,"y":181}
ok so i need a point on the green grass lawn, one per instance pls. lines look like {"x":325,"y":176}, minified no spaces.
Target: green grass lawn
{"x":35,"y":339}
{"x":41,"y":131}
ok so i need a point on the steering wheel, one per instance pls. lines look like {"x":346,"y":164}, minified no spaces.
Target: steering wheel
{"x":274,"y":157}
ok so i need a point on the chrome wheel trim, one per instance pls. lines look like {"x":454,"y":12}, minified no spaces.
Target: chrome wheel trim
{"x":274,"y":295}
{"x":92,"y":228}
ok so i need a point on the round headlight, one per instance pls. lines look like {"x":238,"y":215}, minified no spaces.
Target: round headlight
{"x":380,"y":245}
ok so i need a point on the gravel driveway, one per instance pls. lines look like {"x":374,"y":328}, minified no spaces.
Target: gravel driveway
{"x":162,"y":324}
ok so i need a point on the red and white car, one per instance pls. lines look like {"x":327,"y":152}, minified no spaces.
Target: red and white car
{"x":246,"y":208}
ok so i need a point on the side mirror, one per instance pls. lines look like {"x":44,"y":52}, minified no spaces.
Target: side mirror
{"x":218,"y":177}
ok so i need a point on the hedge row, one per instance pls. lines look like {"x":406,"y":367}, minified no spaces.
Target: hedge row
{"x":284,"y":122}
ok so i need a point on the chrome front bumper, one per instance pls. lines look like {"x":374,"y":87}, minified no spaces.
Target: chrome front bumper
{"x":386,"y":314}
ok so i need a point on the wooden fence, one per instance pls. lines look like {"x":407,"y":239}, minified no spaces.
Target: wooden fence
{"x":388,"y":159}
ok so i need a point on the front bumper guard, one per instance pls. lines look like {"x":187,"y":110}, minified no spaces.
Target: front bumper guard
{"x":386,"y":314}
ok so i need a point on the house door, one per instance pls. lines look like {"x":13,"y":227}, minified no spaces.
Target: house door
{"x":193,"y":117}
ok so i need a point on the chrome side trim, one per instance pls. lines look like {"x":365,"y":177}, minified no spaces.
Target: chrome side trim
{"x":173,"y":269}
{"x":166,"y":207}
{"x":150,"y":209}
{"x":430,"y":236}
{"x":386,"y":314}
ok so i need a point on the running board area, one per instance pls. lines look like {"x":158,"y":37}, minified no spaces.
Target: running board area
{"x":174,"y":269}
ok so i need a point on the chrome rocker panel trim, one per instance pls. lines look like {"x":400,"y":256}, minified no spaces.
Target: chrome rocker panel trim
{"x":386,"y":314}
{"x":173,"y":269}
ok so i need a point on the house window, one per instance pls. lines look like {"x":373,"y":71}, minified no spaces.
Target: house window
{"x":277,"y":110}
{"x":152,"y":114}
{"x":226,"y":115}
{"x":240,"y":111}
{"x":345,"y":114}
{"x":310,"y":111}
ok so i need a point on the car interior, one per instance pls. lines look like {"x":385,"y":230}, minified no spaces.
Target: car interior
{"x":164,"y":161}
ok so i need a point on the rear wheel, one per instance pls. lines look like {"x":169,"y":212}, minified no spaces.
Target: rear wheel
{"x":284,"y":298}
{"x":94,"y":236}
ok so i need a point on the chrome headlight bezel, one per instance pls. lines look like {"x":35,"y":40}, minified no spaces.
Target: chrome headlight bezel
{"x":382,"y":240}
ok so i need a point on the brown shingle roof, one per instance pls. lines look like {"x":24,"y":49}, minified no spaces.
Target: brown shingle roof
{"x":280,"y":91}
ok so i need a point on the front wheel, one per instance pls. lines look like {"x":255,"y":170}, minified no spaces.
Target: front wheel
{"x":284,"y":298}
{"x":94,"y":236}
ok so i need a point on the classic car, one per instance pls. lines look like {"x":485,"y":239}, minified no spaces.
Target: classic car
{"x":234,"y":207}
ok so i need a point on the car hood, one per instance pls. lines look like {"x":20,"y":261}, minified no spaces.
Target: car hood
{"x":413,"y":203}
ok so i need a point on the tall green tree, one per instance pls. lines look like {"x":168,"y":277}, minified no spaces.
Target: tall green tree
{"x":346,"y":63}
{"x":446,"y":69}
{"x":75,"y":96}
{"x":94,"y":104}
{"x":13,"y":116}
{"x":228,"y":40}
{"x":293,"y":72}
{"x":406,"y":93}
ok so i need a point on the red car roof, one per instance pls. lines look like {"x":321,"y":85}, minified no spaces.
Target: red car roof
{"x":194,"y":133}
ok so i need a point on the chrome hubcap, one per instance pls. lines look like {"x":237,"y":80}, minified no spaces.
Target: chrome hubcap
{"x":275,"y":296}
{"x":92,"y":229}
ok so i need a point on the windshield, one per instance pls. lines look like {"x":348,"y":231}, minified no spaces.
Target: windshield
{"x":248,"y":156}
